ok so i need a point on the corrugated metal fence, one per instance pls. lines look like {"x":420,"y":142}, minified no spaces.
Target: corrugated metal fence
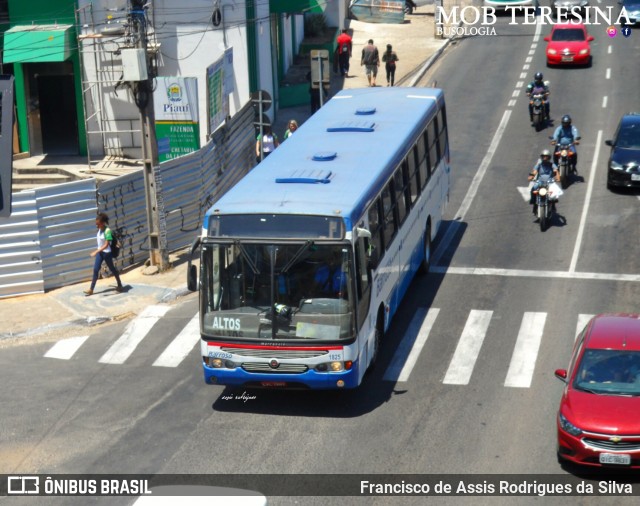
{"x":46,"y":241}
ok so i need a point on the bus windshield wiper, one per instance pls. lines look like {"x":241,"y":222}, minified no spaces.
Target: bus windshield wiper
{"x":252,"y":265}
{"x":295,"y":257}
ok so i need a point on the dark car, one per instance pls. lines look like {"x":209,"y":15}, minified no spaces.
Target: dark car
{"x":598,"y":422}
{"x":632,"y":7}
{"x":624,"y":162}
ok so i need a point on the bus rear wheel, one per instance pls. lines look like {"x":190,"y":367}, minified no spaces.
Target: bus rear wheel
{"x":426,"y":261}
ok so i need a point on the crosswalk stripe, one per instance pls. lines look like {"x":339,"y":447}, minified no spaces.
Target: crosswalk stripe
{"x":411,"y":345}
{"x":66,"y":348}
{"x":583,"y":319}
{"x":468,"y":349}
{"x":523,"y":360}
{"x":181,"y":346}
{"x":133,"y":335}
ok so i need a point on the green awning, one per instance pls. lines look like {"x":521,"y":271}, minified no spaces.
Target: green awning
{"x":296,"y":6}
{"x":37,"y":43}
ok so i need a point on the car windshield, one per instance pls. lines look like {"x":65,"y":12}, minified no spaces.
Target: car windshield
{"x":568,"y":35}
{"x":629,"y":137}
{"x":277,"y":291}
{"x":613,"y":372}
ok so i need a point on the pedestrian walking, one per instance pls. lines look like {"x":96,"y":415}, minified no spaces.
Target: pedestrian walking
{"x":344,"y":52}
{"x":266,"y":143}
{"x":103,"y":253}
{"x":390,"y":58}
{"x":293,"y":126}
{"x":371,"y":60}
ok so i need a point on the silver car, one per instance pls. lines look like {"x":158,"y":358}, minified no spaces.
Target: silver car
{"x":568,"y":5}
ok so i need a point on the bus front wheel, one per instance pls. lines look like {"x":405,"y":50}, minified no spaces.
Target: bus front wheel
{"x":426,"y":261}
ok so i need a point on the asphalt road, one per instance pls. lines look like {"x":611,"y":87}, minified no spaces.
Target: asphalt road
{"x":454,"y":411}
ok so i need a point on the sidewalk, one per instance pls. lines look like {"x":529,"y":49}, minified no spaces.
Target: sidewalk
{"x":413,"y":42}
{"x":66,"y":312}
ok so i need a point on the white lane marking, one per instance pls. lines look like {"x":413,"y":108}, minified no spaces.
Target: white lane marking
{"x":526,"y":67}
{"x":468,"y":349}
{"x":519,"y":84}
{"x":604,"y":101}
{"x":583,"y":319}
{"x":66,"y":348}
{"x":534,"y":45}
{"x":528,"y":59}
{"x":511,"y":103}
{"x":516,"y":93}
{"x":473,"y":187}
{"x":136,"y":331}
{"x":609,"y":49}
{"x":181,"y":346}
{"x":525,"y":191}
{"x":532,"y":52}
{"x":541,"y":273}
{"x":587,"y":200}
{"x":524,"y":356}
{"x":523,"y":75}
{"x":608,"y":74}
{"x":411,"y":345}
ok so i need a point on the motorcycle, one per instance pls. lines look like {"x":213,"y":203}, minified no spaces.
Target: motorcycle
{"x":566,"y":163}
{"x":538,"y":111}
{"x":545,"y":200}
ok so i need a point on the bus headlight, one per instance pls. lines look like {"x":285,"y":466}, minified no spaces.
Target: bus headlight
{"x":218,"y":363}
{"x":335,"y":366}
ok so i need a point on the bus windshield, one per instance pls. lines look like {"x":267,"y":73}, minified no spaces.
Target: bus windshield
{"x":259,"y":291}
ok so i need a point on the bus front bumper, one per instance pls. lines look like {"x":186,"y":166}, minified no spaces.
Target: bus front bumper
{"x":310,"y":379}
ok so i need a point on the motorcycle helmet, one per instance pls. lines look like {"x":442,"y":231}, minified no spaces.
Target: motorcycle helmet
{"x":538,"y":77}
{"x":566,"y":120}
{"x":545,"y":153}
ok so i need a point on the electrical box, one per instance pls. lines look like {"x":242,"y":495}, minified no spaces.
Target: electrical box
{"x":134,"y":64}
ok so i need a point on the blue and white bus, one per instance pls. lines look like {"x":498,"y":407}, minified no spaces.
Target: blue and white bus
{"x":305,"y":261}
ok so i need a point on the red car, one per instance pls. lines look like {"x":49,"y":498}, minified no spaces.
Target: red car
{"x":568,"y":44}
{"x":599,"y":416}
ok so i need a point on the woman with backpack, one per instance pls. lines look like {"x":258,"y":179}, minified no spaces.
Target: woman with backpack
{"x":103,"y":253}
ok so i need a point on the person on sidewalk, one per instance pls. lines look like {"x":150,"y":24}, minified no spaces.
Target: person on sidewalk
{"x":293,"y":126}
{"x":390,"y":58}
{"x":103,"y":254}
{"x":266,"y":143}
{"x":344,"y":52}
{"x":371,"y":60}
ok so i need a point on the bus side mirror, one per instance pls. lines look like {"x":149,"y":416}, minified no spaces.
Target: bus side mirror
{"x":192,"y":270}
{"x":192,"y":278}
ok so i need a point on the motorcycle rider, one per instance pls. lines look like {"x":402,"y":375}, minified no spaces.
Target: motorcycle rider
{"x":567,"y":134}
{"x":538,"y":87}
{"x":543,"y":167}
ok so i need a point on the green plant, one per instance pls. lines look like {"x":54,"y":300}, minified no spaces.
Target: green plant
{"x":314,"y":25}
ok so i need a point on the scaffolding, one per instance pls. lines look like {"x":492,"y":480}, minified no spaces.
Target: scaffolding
{"x":112,"y":120}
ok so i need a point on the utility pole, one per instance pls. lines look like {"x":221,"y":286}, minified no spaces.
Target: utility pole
{"x":143,"y":93}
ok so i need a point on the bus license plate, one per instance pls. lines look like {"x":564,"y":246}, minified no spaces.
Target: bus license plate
{"x":615,"y":458}
{"x":273,"y":384}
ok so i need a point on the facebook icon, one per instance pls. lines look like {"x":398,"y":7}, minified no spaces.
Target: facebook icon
{"x":626,"y":31}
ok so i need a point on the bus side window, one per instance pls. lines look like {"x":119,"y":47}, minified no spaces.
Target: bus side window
{"x":442,"y":136}
{"x":400,"y":199}
{"x":434,"y":156}
{"x":376,"y":245}
{"x":410,"y":169}
{"x":388,"y":213}
{"x":423,"y":160}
